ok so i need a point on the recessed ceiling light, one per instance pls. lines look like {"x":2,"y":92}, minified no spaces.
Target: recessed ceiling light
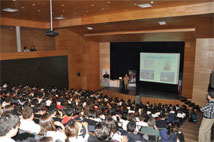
{"x":86,"y":11}
{"x":75,"y":13}
{"x":63,"y":10}
{"x":62,"y":5}
{"x":59,"y":18}
{"x":10,"y":10}
{"x":108,"y":2}
{"x":33,"y":4}
{"x":144,"y":5}
{"x":89,"y":28}
{"x":103,"y":8}
{"x":23,"y":7}
{"x":92,"y":5}
{"x":14,"y":0}
{"x":38,"y":10}
{"x":162,"y":22}
{"x":152,"y":2}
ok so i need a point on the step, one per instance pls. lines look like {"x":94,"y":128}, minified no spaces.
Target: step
{"x":190,"y":136}
{"x":191,"y":127}
{"x":189,"y":131}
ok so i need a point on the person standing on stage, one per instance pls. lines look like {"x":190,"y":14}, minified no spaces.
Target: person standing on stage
{"x":208,"y":119}
{"x":126,"y":81}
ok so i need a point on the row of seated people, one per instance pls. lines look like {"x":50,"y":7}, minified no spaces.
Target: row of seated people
{"x":69,"y":115}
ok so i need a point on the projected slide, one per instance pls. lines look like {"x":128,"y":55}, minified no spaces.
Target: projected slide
{"x":159,"y":67}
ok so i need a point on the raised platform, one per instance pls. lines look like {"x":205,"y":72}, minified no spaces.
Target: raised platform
{"x":145,"y":93}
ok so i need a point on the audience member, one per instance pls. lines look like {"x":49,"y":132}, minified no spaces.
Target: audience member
{"x":27,"y":123}
{"x":9,"y":125}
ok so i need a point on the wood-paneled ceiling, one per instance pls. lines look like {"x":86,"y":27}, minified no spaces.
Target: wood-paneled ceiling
{"x":38,"y":10}
{"x":85,"y":12}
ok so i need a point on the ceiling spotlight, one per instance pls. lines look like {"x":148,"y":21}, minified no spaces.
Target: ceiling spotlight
{"x":63,"y":10}
{"x":108,"y":2}
{"x":33,"y":4}
{"x":23,"y":7}
{"x":162,"y":22}
{"x":59,"y":18}
{"x":62,"y":5}
{"x":86,"y":11}
{"x":144,"y":5}
{"x":152,"y":2}
{"x":10,"y":10}
{"x":103,"y":8}
{"x":14,"y":0}
{"x":92,"y":5}
{"x":89,"y":28}
{"x":38,"y":10}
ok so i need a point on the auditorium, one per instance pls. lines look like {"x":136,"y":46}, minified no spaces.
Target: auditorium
{"x":107,"y":71}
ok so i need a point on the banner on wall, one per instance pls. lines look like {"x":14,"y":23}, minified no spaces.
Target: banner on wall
{"x":132,"y":76}
{"x":105,"y":77}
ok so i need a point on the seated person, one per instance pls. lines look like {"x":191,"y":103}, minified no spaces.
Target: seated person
{"x":27,"y":123}
{"x":131,"y":126}
{"x":167,"y":134}
{"x":162,"y":122}
{"x":101,"y":133}
{"x":151,"y":129}
{"x":9,"y":125}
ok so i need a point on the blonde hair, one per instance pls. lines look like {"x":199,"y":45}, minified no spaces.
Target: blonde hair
{"x":71,"y":130}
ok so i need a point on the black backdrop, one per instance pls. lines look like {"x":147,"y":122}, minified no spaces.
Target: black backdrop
{"x":40,"y":72}
{"x":125,"y":56}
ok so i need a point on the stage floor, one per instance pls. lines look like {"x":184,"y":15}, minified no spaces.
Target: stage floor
{"x":146,"y":93}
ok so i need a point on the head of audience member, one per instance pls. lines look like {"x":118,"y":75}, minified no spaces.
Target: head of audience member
{"x":27,"y":113}
{"x":8,"y":109}
{"x":9,"y":125}
{"x":111,"y":125}
{"x":46,"y":139}
{"x":101,"y":131}
{"x":131,"y":126}
{"x":211,"y":95}
{"x":71,"y":130}
{"x":152,"y":122}
{"x":46,"y":123}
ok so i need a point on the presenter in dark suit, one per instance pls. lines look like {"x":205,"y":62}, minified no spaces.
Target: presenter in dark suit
{"x":126,"y":81}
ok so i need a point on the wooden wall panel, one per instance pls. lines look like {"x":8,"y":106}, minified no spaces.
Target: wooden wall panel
{"x":8,"y":39}
{"x":91,"y":65}
{"x":84,"y":59}
{"x":188,"y":72}
{"x":73,"y":43}
{"x":37,"y":37}
{"x":204,"y":63}
{"x":104,"y":57}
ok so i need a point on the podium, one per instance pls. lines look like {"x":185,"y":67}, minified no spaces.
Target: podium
{"x":121,"y":84}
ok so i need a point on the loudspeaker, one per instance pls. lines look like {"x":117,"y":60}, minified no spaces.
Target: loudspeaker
{"x":212,"y":80}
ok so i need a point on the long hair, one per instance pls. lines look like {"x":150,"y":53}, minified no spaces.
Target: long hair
{"x":46,"y":123}
{"x":71,"y":130}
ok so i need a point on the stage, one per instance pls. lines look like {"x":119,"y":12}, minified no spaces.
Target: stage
{"x":145,"y":93}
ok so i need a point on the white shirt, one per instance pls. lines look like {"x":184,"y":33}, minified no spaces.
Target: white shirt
{"x":4,"y":139}
{"x":29,"y":126}
{"x":56,"y":135}
{"x":79,"y":139}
